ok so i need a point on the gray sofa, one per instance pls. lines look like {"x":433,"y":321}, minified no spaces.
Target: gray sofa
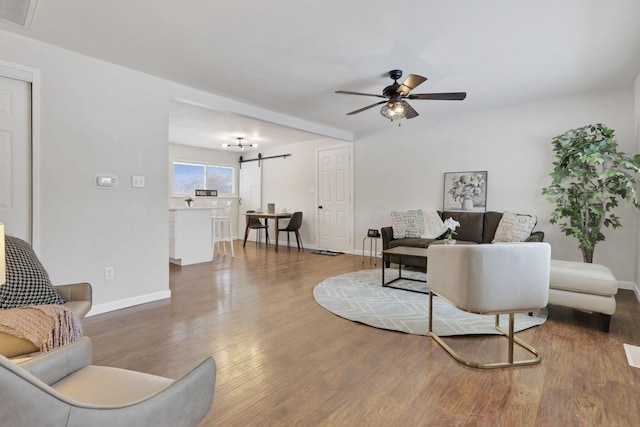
{"x":475,"y":227}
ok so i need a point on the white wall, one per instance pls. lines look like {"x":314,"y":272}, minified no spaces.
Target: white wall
{"x":403,"y":167}
{"x":97,"y":117}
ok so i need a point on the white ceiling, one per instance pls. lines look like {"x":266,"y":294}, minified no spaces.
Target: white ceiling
{"x":290,"y":56}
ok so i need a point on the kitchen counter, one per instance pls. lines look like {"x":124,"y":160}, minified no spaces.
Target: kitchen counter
{"x":190,"y":238}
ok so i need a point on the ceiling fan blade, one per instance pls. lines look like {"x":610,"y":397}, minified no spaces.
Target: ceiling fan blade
{"x":365,"y":108}
{"x":411,"y":82}
{"x":346,"y":92}
{"x":449,"y":96}
{"x":410,"y":113}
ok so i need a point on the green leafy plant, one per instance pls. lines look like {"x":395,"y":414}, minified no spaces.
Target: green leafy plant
{"x":589,"y":177}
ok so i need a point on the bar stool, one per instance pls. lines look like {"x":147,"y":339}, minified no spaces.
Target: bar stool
{"x":221,"y":215}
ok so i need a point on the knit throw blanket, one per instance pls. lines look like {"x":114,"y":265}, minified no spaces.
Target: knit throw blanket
{"x":46,"y":326}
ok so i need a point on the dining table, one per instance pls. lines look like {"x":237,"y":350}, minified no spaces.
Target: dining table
{"x":267,"y":216}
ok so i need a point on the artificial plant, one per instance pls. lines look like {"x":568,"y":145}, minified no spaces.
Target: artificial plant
{"x":589,"y":176}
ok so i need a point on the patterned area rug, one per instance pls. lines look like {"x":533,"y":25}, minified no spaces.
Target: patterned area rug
{"x":359,"y":296}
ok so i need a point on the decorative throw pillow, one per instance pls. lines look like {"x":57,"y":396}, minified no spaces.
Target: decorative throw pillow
{"x":433,"y":225}
{"x":514,"y":228}
{"x":407,"y":224}
{"x":27,"y":280}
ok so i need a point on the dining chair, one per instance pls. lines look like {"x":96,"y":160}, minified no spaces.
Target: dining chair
{"x":221,"y":216}
{"x":294,"y":225}
{"x":256,"y":224}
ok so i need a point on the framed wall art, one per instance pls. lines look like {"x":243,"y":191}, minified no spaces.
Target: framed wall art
{"x":465,"y":191}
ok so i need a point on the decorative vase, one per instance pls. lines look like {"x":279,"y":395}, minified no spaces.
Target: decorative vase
{"x":449,"y":241}
{"x":467,"y":203}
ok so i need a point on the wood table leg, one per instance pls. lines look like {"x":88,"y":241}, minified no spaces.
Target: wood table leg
{"x":277,"y":234}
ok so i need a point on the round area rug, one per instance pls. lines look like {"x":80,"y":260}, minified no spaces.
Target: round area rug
{"x":360,"y":297}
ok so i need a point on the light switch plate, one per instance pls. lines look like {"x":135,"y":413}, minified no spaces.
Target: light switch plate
{"x":137,"y":181}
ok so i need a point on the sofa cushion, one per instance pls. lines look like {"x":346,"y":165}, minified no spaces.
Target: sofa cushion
{"x":27,"y":280}
{"x":581,"y":277}
{"x":407,"y":223}
{"x":514,"y":227}
{"x":491,"y":221}
{"x":471,"y":223}
{"x":412,"y":242}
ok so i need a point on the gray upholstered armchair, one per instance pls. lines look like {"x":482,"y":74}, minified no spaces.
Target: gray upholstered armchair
{"x":61,"y":388}
{"x":28,"y":284}
{"x":504,"y":278}
{"x":77,"y":297}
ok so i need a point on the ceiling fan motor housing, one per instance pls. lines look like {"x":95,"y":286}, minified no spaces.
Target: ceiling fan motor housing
{"x":391,"y":90}
{"x":395,"y":74}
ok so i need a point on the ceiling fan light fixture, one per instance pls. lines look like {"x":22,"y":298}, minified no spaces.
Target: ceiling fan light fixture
{"x":394,"y":110}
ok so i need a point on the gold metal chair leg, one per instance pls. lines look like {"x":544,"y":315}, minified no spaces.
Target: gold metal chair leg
{"x":488,"y":365}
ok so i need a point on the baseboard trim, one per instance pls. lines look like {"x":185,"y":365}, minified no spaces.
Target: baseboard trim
{"x":128,"y":302}
{"x":627,"y":285}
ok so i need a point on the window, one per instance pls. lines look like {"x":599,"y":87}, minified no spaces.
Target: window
{"x":187,"y":177}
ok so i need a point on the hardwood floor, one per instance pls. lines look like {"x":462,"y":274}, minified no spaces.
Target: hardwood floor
{"x":284,"y":360}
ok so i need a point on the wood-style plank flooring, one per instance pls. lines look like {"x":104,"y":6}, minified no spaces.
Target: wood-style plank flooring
{"x":285,"y":361}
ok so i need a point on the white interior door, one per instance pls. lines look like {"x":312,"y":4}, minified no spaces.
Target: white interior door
{"x":335,"y":204}
{"x":15,"y":157}
{"x":250,"y":192}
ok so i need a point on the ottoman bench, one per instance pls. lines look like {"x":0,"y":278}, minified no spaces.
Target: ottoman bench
{"x":583,"y":286}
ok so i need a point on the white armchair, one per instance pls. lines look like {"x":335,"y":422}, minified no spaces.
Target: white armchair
{"x":490,"y":279}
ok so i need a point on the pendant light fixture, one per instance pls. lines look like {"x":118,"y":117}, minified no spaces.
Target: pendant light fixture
{"x":239,"y":144}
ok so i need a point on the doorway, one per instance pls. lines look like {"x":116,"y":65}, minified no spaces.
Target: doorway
{"x":335,"y":200}
{"x":250,"y":192}
{"x":16,"y":154}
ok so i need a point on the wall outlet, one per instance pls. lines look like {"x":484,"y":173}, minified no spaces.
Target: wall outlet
{"x":109,"y":273}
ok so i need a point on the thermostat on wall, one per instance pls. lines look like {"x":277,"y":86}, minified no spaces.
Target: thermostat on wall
{"x":106,"y":181}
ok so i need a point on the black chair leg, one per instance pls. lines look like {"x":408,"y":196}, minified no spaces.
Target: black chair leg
{"x":299,"y":241}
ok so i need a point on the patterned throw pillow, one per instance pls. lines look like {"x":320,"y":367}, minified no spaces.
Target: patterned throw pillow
{"x":407,"y":224}
{"x":27,"y":280}
{"x":514,"y":228}
{"x":433,"y":225}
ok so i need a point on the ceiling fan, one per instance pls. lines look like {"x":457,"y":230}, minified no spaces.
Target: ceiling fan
{"x":394,"y":97}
